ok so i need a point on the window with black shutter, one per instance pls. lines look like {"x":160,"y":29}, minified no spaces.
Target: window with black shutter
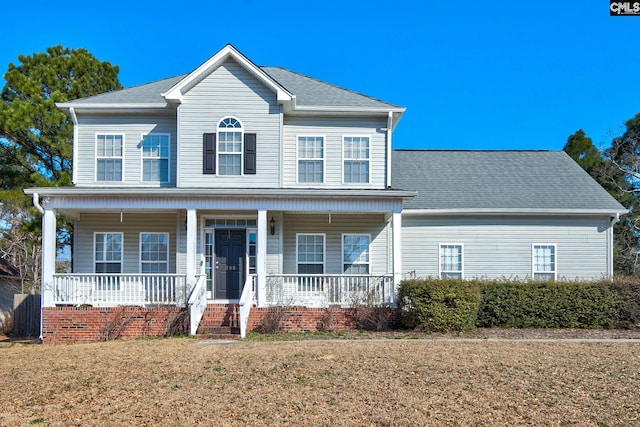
{"x":250,"y":153}
{"x":209,"y":153}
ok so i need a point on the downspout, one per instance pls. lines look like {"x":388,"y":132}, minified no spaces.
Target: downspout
{"x":36,"y":203}
{"x":74,"y":168}
{"x":614,"y":220}
{"x":389,"y":132}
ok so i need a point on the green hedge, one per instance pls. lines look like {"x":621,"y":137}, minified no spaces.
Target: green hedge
{"x":548,"y":305}
{"x":439,"y":305}
{"x":452,"y":304}
{"x":627,"y":290}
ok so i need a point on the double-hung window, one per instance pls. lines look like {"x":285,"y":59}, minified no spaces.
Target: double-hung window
{"x":109,"y":157}
{"x":311,"y":159}
{"x":544,"y":261}
{"x":355,"y":253}
{"x":155,"y":158}
{"x":230,"y":147}
{"x":310,"y":253}
{"x":108,"y":252}
{"x":356,"y":156}
{"x":154,"y":252}
{"x":451,"y":261}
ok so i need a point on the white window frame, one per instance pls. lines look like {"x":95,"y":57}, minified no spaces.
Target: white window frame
{"x":121,"y":158}
{"x":141,"y":261}
{"x":440,"y":270}
{"x":248,"y":250}
{"x":322,"y":159}
{"x":555,"y":260}
{"x":368,"y":263}
{"x":219,"y":152}
{"x":349,"y":159}
{"x":95,"y":260}
{"x":324,"y":252}
{"x":143,"y":158}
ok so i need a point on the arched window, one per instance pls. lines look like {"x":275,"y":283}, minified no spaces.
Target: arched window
{"x":230,"y":150}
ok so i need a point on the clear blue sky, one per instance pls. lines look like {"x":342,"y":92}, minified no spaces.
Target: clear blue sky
{"x":472,"y":75}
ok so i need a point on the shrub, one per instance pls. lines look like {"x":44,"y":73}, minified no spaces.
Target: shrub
{"x":273,"y":319}
{"x":369,"y":314}
{"x":548,"y":305}
{"x":627,"y":290}
{"x":439,"y":304}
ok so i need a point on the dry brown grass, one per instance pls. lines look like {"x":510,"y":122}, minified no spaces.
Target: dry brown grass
{"x":346,"y":382}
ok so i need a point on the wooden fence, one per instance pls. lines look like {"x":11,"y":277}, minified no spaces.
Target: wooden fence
{"x":26,"y":315}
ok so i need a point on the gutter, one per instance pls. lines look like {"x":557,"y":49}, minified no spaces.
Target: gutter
{"x":512,"y":211}
{"x":36,"y":203}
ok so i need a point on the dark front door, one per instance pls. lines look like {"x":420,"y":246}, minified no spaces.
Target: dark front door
{"x":229,"y":263}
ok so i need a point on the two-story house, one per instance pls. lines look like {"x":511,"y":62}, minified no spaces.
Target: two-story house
{"x":244,"y":186}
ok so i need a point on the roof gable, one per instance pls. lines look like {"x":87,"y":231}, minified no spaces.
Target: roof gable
{"x":177,"y":91}
{"x":295,"y":91}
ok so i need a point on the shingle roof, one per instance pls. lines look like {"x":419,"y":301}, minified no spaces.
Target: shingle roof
{"x":313,"y":92}
{"x":308,"y":91}
{"x":497,"y":180}
{"x":8,"y":270}
{"x":142,"y":94}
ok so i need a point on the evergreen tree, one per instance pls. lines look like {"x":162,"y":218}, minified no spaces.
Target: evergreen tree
{"x":36,"y":138}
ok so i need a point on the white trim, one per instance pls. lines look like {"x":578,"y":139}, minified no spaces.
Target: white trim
{"x":93,"y":249}
{"x":74,"y":164}
{"x":343,"y":263}
{"x":140,"y":261}
{"x":389,"y":147}
{"x":324,"y":158}
{"x":440,"y":271}
{"x":229,"y":130}
{"x":178,"y":145}
{"x":324,"y":251}
{"x":512,"y":211}
{"x":368,"y":159}
{"x":142,"y":158}
{"x":96,"y":157}
{"x":175,"y":93}
{"x":555,"y":260}
{"x":261,"y":257}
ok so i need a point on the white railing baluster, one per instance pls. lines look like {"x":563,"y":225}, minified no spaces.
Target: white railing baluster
{"x":322,"y":290}
{"x":119,"y":289}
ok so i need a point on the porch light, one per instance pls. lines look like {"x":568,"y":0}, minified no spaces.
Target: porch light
{"x":272,"y":226}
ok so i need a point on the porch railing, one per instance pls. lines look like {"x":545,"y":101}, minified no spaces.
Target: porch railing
{"x":197,"y":303}
{"x":119,"y":289}
{"x":324,"y":290}
{"x":246,"y":301}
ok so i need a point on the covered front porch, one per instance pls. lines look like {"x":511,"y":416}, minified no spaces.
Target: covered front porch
{"x":327,"y":252}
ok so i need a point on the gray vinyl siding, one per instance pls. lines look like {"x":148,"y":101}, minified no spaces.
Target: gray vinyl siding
{"x":131,"y":226}
{"x":229,"y":91}
{"x":132,"y":126}
{"x":333,"y":129}
{"x":501,"y":247}
{"x":373,"y":224}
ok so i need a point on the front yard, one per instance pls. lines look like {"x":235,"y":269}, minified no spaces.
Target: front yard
{"x":428,"y":381}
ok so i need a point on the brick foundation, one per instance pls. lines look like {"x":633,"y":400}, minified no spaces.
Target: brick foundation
{"x":88,"y":324}
{"x":302,"y":319}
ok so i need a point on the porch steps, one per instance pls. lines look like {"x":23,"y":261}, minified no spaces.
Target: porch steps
{"x":220,"y":321}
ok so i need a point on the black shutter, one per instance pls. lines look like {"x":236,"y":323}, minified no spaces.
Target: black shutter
{"x":249,"y":153}
{"x":209,"y":153}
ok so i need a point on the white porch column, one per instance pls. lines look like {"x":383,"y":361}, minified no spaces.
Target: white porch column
{"x":192,"y":234}
{"x":261,"y":258}
{"x":397,"y":253}
{"x":48,"y":257}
